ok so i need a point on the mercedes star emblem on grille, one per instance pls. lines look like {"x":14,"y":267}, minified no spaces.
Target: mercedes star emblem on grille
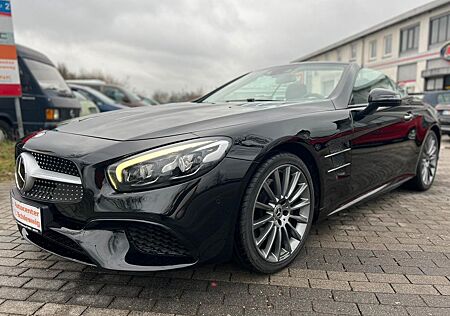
{"x":24,"y":181}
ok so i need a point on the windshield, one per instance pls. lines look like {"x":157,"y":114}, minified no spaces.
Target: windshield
{"x":47,"y":76}
{"x":119,"y":94}
{"x":297,"y":82}
{"x":96,"y":95}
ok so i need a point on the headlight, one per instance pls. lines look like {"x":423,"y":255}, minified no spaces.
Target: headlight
{"x":167,"y":165}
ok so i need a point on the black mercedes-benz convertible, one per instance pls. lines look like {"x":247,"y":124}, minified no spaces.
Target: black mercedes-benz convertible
{"x":242,"y":172}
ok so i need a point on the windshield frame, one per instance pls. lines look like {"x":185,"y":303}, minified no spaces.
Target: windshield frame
{"x":289,"y":69}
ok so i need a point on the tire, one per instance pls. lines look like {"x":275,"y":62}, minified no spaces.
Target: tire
{"x":271,"y":234}
{"x":5,"y":131}
{"x":427,"y":164}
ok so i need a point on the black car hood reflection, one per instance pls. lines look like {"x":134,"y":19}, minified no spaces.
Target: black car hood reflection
{"x":182,"y":118}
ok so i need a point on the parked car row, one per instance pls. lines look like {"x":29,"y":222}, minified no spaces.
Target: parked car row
{"x":47,"y":100}
{"x":440,"y":100}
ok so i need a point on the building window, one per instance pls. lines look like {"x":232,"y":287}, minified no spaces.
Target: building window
{"x":440,"y":29}
{"x":407,"y":73}
{"x":388,"y":45}
{"x":373,"y":49}
{"x":409,"y":39}
{"x":353,"y":52}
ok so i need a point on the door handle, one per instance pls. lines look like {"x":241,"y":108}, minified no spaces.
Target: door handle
{"x":408,"y":116}
{"x":28,"y":98}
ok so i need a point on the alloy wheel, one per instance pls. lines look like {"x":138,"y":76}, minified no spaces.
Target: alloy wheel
{"x":429,"y":160}
{"x":281,"y":213}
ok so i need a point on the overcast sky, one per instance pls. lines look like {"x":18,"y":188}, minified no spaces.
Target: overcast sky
{"x":189,"y":44}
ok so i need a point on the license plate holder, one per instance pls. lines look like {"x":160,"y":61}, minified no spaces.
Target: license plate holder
{"x":27,"y":215}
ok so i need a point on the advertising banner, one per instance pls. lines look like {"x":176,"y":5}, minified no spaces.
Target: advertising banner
{"x":9,"y":68}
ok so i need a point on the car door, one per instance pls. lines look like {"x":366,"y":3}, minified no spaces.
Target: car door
{"x":383,"y":142}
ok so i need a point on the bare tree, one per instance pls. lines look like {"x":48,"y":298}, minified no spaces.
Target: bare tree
{"x":88,"y":74}
{"x":181,"y":96}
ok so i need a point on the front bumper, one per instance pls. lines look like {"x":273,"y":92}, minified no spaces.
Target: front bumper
{"x":160,"y":229}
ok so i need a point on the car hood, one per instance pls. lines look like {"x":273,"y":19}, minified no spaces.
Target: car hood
{"x":182,"y":118}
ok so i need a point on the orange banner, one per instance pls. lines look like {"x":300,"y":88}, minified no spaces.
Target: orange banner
{"x":8,"y":52}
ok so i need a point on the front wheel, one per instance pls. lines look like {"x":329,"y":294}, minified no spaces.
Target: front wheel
{"x":276,"y":214}
{"x":427,"y":166}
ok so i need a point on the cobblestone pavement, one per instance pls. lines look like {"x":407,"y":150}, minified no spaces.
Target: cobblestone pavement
{"x":389,"y":256}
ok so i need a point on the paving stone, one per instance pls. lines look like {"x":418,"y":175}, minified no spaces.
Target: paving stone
{"x":19,"y":307}
{"x":371,"y":287}
{"x":308,"y":274}
{"x":91,"y":300}
{"x":311,"y":294}
{"x":61,"y":310}
{"x":289,"y":281}
{"x":175,"y":306}
{"x":269,"y":311}
{"x":132,"y":303}
{"x":81,"y":287}
{"x":347,"y":276}
{"x":50,"y":296}
{"x":400,"y":299}
{"x":220,"y":310}
{"x":376,"y":310}
{"x":414,"y":289}
{"x":332,"y":307}
{"x":283,"y":303}
{"x":329,"y":284}
{"x":355,"y":297}
{"x":387,"y":278}
{"x":269,"y":290}
{"x":120,"y":290}
{"x":443,"y":289}
{"x":13,"y":293}
{"x":420,"y":311}
{"x":44,"y":284}
{"x":94,"y":311}
{"x":40,"y":273}
{"x":436,"y":300}
{"x":13,"y":281}
{"x":428,"y":279}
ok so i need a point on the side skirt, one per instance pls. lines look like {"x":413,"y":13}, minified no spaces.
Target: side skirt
{"x":371,"y":194}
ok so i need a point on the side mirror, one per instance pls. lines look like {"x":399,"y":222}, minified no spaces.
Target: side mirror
{"x":378,"y":97}
{"x":384,"y":97}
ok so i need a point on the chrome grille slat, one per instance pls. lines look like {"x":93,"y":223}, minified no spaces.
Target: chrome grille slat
{"x":56,"y":164}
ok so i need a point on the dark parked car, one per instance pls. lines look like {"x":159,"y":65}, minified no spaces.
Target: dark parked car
{"x":242,"y":171}
{"x":444,"y":117}
{"x":103,"y":103}
{"x":434,"y":98}
{"x":46,"y":99}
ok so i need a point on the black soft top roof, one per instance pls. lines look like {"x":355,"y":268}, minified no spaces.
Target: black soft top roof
{"x":26,"y":52}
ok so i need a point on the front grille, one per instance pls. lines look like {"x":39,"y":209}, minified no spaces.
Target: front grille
{"x":52,"y":191}
{"x":56,"y":164}
{"x":155,"y":240}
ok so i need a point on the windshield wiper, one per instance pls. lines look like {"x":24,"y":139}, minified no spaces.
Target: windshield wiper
{"x":250,"y":100}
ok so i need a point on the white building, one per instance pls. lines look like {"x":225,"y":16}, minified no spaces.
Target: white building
{"x":406,"y":48}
